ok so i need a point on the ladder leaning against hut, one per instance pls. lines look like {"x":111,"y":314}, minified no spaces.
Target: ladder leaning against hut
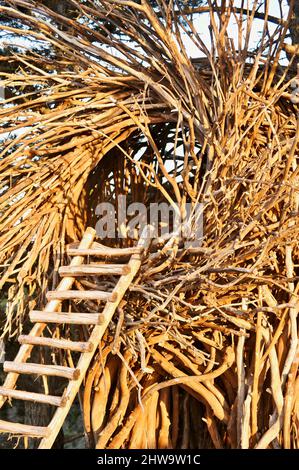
{"x":52,"y":314}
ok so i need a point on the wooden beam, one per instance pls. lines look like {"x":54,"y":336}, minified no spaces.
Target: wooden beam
{"x":41,"y":369}
{"x":70,"y":318}
{"x":82,"y":295}
{"x":30,"y":396}
{"x":103,"y":252}
{"x":94,"y":270}
{"x":23,"y":429}
{"x":56,"y":343}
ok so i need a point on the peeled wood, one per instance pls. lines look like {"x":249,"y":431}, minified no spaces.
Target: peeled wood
{"x":104,"y":251}
{"x":37,"y":316}
{"x":39,"y":369}
{"x":56,"y":343}
{"x":94,"y":270}
{"x":52,"y":306}
{"x":30,"y":396}
{"x":23,"y":429}
{"x":82,"y":295}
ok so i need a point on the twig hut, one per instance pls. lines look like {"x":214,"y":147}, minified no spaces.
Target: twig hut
{"x":203,"y":351}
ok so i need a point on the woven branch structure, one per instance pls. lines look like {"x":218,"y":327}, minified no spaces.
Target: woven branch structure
{"x":204,"y":350}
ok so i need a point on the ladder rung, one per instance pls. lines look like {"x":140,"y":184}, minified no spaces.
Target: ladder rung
{"x":30,"y":396}
{"x":41,"y":369}
{"x":94,"y":270}
{"x":82,"y":295}
{"x":24,"y":429}
{"x":37,"y":316}
{"x":103,"y":251}
{"x":56,"y":343}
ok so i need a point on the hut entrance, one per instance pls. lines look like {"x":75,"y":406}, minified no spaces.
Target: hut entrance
{"x":145,"y":180}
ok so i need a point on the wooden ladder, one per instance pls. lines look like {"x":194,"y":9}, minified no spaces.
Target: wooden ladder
{"x":52,"y":314}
